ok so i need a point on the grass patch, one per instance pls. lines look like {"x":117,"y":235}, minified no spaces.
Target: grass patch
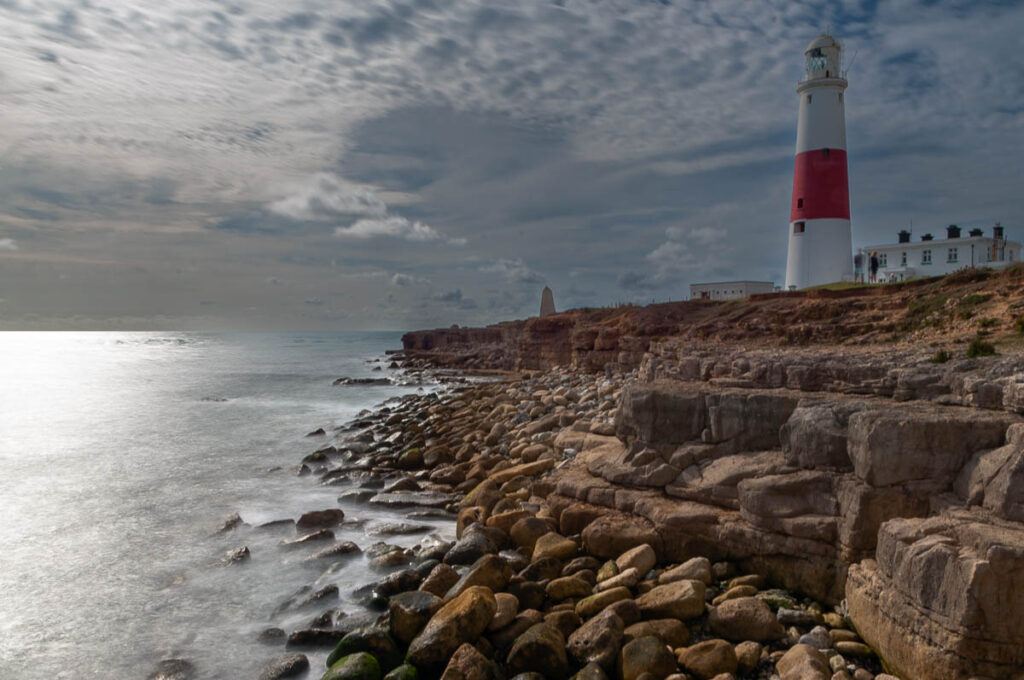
{"x":1018,"y":325}
{"x":941,"y":357}
{"x":925,"y":311}
{"x":980,"y":348}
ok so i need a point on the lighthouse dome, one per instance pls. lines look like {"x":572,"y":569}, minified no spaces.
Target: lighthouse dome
{"x":823,"y":41}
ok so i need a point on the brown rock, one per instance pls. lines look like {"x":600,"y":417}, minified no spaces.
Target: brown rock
{"x":707,"y":659}
{"x":507,"y":606}
{"x":440,"y":580}
{"x":803,"y":662}
{"x":589,"y":606}
{"x":526,"y":531}
{"x":670,"y":631}
{"x":696,"y":569}
{"x":461,"y":620}
{"x":748,"y":656}
{"x":490,"y":571}
{"x":598,"y":640}
{"x":678,"y":600}
{"x":319,"y":519}
{"x":614,"y":533}
{"x":642,"y":558}
{"x":541,"y":649}
{"x":409,"y":612}
{"x":646,"y":656}
{"x":565,"y":620}
{"x":745,"y":618}
{"x":568,"y":587}
{"x":469,"y":664}
{"x":554,"y":545}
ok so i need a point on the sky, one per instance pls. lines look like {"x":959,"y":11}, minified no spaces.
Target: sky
{"x":398,"y":164}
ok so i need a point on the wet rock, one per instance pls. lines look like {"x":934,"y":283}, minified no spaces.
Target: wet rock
{"x":474,"y":544}
{"x":678,"y":600}
{"x":358,"y":666}
{"x":672,"y":632}
{"x":503,"y":639}
{"x":346,"y":380}
{"x":374,"y":640}
{"x":507,"y":606}
{"x":272,"y":636}
{"x":337,"y":550}
{"x":544,"y":569}
{"x":598,"y":640}
{"x":565,"y":620}
{"x":315,"y":537}
{"x":627,"y":610}
{"x":745,"y":618}
{"x":541,"y":649}
{"x":237,"y":556}
{"x":315,"y":637}
{"x":318,"y":432}
{"x":469,"y":664}
{"x":803,"y":663}
{"x":231,"y":523}
{"x":405,"y":499}
{"x":461,"y":620}
{"x":287,"y":666}
{"x":526,"y":531}
{"x":173,"y":669}
{"x":392,"y":584}
{"x":648,"y":656}
{"x":628,"y":578}
{"x":403,"y":672}
{"x":440,"y":580}
{"x":397,"y":529}
{"x":490,"y":571}
{"x":277,"y":524}
{"x":409,"y":613}
{"x":531,"y":595}
{"x":707,"y":659}
{"x":798,"y":617}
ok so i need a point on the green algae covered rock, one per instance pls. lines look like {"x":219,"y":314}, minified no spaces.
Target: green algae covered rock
{"x":403,"y":672}
{"x":358,"y":666}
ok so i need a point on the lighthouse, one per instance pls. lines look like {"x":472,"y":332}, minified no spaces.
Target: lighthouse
{"x":820,"y":243}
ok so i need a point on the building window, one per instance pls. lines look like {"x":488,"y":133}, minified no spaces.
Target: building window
{"x":799,"y":203}
{"x":926,"y":257}
{"x":953,"y":255}
{"x":903,"y":259}
{"x":798,"y":227}
{"x":883,"y":260}
{"x":808,"y":99}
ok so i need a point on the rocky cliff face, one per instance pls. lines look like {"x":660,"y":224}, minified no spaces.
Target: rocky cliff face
{"x":869,"y":476}
{"x":813,"y":439}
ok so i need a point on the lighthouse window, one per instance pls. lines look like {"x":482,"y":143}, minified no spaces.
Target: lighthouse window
{"x":799,"y":202}
{"x":840,"y":96}
{"x":926,"y":257}
{"x":808,"y":99}
{"x":953,"y":256}
{"x":798,"y":227}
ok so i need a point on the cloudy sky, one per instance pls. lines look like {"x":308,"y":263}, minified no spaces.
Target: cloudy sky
{"x":409,"y":163}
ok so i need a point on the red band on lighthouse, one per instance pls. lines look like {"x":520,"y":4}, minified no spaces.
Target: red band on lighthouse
{"x":820,"y":186}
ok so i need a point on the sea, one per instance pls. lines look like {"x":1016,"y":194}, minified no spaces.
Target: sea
{"x":122,"y":454}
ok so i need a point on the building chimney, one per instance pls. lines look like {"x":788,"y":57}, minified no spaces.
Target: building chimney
{"x":927,"y":237}
{"x":976,"y":232}
{"x":997,"y":232}
{"x":904,"y":236}
{"x":952,"y":231}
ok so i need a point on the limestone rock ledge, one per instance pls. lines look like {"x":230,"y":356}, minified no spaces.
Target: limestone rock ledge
{"x":945,"y":597}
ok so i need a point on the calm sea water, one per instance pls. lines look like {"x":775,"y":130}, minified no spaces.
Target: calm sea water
{"x":120,"y":456}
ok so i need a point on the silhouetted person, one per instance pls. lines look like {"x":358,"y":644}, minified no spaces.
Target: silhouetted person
{"x":874,"y":267}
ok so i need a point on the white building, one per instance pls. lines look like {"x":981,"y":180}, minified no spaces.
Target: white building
{"x":908,"y":259}
{"x":729,"y":290}
{"x":820,"y":243}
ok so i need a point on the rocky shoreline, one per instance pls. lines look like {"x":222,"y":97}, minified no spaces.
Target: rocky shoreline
{"x":535,"y":586}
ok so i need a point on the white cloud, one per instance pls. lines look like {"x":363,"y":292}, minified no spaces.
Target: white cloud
{"x":513,"y":271}
{"x":393,"y":226}
{"x":8,"y":244}
{"x":400,"y":280}
{"x":326,"y":196}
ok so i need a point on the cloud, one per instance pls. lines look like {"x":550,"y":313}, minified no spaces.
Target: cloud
{"x":326,"y":196}
{"x":688,"y":252}
{"x":8,"y":244}
{"x":513,"y":271}
{"x":394,"y":227}
{"x":313,"y":301}
{"x":400,"y":280}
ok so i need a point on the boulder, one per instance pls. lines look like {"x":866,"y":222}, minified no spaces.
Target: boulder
{"x":541,"y":649}
{"x":677,"y":600}
{"x":440,"y":580}
{"x":670,"y":631}
{"x":409,"y":612}
{"x":745,"y":618}
{"x":287,"y":666}
{"x":469,"y":664}
{"x":647,"y":656}
{"x":695,"y":569}
{"x":507,"y":606}
{"x":554,"y":545}
{"x":589,"y":606}
{"x":490,"y":571}
{"x":803,"y":662}
{"x":642,"y":558}
{"x":598,"y":640}
{"x":614,"y":533}
{"x":358,"y":666}
{"x":748,"y":656}
{"x":373,"y":639}
{"x":709,"y":658}
{"x":526,"y":531}
{"x":567,"y":587}
{"x":461,"y":620}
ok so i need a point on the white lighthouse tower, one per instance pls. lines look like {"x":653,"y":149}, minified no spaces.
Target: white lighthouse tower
{"x":820,"y":243}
